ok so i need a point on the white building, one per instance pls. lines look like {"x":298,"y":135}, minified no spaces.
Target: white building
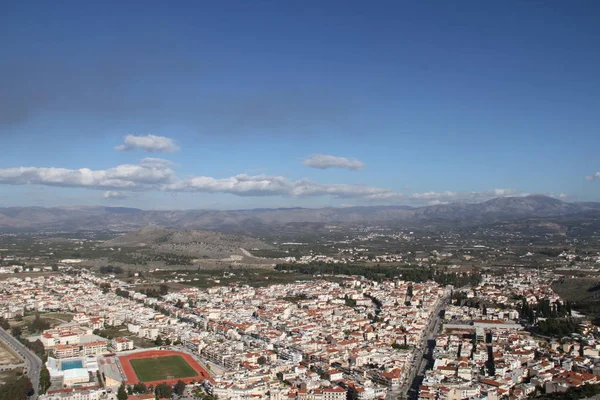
{"x":121,"y":344}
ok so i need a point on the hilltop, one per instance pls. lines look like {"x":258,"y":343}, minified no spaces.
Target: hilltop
{"x":188,"y":243}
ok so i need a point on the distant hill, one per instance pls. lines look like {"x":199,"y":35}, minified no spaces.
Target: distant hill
{"x":507,"y":208}
{"x":263,"y":221}
{"x":589,"y":205}
{"x":144,"y":237}
{"x":191,"y":243}
{"x":71,"y":219}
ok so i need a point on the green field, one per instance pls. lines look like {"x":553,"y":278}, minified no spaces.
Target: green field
{"x":160,"y":368}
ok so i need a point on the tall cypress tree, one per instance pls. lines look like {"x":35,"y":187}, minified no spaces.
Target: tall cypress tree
{"x":122,"y":393}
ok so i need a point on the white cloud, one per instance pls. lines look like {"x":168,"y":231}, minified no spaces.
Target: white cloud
{"x":436,"y":202}
{"x":306,"y":188}
{"x":263,"y":185}
{"x":149,"y":144}
{"x":503,"y":192}
{"x":243,"y":185}
{"x":156,"y":161}
{"x":593,"y":177}
{"x":113,"y":194}
{"x":433,"y":195}
{"x":128,"y":176}
{"x":325,"y":161}
{"x":147,"y":174}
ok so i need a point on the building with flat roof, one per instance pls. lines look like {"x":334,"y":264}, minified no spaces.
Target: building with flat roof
{"x":74,"y":394}
{"x":75,"y":376}
{"x":66,"y":351}
{"x":480,"y":334}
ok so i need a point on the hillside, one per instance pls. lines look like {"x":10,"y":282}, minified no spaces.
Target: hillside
{"x":189,"y":243}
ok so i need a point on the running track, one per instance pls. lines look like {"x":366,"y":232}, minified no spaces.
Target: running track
{"x":133,"y":379}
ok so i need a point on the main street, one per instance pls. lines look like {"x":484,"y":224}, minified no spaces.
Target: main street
{"x":34,"y":364}
{"x":419,"y":362}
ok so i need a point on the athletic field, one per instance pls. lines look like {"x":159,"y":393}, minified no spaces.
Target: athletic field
{"x":156,"y":366}
{"x":159,"y":368}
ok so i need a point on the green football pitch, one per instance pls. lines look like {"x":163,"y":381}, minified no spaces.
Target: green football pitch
{"x":161,"y":368}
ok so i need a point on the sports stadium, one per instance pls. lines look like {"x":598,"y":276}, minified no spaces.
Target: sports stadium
{"x":157,"y":366}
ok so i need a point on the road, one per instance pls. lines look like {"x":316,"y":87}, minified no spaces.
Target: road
{"x":247,"y":253}
{"x":34,"y":364}
{"x":419,"y":362}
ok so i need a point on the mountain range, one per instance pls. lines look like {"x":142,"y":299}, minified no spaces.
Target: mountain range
{"x":120,"y":219}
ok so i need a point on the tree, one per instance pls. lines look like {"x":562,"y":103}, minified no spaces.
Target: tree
{"x":158,"y":341}
{"x":398,"y":346}
{"x":37,"y":347}
{"x":179,"y":387}
{"x":39,"y":324}
{"x":16,"y":331}
{"x":19,"y":389}
{"x":129,"y":389}
{"x":349,"y":302}
{"x":140,"y":388}
{"x":99,"y":378}
{"x":557,"y":327}
{"x":163,"y":289}
{"x":167,"y":342}
{"x":261,"y":360}
{"x":108,"y":269}
{"x":4,"y":324}
{"x":164,"y":391}
{"x":44,"y":379}
{"x":122,"y":393}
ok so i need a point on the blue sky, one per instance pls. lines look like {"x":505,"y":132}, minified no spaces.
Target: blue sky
{"x":436,"y":102}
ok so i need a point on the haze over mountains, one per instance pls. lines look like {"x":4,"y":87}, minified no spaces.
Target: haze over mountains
{"x":15,"y":219}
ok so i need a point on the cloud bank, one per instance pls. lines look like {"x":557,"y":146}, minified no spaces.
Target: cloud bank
{"x":325,"y":161}
{"x":156,"y":175}
{"x":149,"y":144}
{"x":126,"y":176}
{"x":264,"y":185}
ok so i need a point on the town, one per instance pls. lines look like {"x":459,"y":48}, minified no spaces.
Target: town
{"x":330,"y":337}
